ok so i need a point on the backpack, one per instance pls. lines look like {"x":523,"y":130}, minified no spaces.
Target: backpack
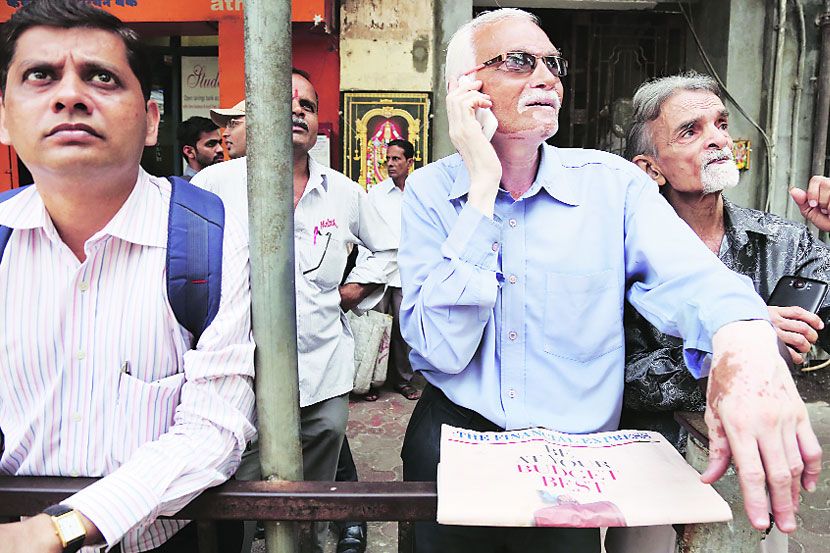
{"x":196,"y":225}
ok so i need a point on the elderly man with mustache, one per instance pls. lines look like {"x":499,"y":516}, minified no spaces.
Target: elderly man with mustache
{"x":679,"y":136}
{"x":516,"y":258}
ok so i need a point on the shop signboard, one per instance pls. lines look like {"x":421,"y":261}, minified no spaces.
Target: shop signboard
{"x":317,"y":11}
{"x":200,"y":85}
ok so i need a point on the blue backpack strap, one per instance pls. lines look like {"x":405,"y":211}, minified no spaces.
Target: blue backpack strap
{"x":6,"y":232}
{"x":194,"y":255}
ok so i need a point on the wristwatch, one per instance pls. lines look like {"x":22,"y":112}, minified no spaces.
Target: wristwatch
{"x":68,"y":526}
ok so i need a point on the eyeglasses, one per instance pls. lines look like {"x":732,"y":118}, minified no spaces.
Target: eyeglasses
{"x":235,"y":122}
{"x":522,"y":62}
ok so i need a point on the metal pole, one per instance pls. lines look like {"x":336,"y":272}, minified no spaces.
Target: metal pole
{"x":449,"y":16}
{"x":822,"y":95}
{"x":271,"y":216}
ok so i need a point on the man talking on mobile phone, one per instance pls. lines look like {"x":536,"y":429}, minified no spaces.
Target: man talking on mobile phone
{"x":516,"y":258}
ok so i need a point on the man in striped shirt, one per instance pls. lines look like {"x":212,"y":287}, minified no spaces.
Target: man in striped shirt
{"x":97,"y":377}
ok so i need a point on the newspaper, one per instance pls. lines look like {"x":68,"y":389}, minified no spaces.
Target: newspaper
{"x":538,"y":477}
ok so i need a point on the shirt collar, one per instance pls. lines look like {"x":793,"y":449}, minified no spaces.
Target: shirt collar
{"x":189,"y":172}
{"x":740,"y":222}
{"x":24,"y":211}
{"x":134,"y":222}
{"x":550,"y":176}
{"x":316,"y":176}
{"x":131,"y":223}
{"x":387,"y":186}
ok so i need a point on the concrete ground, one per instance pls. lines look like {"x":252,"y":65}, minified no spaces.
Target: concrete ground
{"x":813,"y":532}
{"x":376,"y":431}
{"x":375,"y":434}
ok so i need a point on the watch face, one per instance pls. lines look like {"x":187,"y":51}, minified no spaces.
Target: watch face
{"x":70,"y":526}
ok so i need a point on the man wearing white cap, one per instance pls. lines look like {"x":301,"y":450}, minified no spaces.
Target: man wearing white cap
{"x":231,"y":173}
{"x":233,"y":121}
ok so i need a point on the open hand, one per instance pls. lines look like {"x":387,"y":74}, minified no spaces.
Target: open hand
{"x":756,"y":417}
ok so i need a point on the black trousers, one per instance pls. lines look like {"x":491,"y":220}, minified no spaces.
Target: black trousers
{"x":420,"y":456}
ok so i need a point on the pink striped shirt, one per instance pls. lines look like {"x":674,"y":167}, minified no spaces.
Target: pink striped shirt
{"x":97,"y":377}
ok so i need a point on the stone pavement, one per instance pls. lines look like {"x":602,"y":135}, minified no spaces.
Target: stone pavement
{"x":813,"y":532}
{"x":375,"y":432}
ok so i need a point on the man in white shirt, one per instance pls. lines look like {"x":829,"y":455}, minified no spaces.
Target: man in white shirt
{"x":98,"y":377}
{"x":330,"y":212}
{"x":387,"y":196}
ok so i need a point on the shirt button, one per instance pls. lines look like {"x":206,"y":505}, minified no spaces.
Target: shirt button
{"x":495,"y":246}
{"x":512,"y":222}
{"x":83,"y":286}
{"x":512,"y":394}
{"x":76,"y":417}
{"x":80,"y":354}
{"x":512,"y":335}
{"x":513,"y":279}
{"x":74,"y":474}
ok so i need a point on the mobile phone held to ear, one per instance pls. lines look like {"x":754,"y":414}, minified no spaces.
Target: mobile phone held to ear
{"x":804,"y":292}
{"x":484,"y":116}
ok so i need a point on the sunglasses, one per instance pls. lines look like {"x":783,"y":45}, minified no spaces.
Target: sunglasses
{"x":522,"y":62}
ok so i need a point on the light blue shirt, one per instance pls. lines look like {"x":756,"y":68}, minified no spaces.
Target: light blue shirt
{"x":520,"y":317}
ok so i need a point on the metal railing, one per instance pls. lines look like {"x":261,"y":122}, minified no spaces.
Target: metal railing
{"x":257,"y":500}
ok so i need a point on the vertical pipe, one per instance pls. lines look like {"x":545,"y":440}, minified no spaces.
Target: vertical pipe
{"x":797,"y":89}
{"x":449,"y":16}
{"x":271,"y":216}
{"x":781,"y":29}
{"x":822,"y":120}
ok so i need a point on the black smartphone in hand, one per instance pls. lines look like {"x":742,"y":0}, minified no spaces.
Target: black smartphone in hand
{"x":794,"y":290}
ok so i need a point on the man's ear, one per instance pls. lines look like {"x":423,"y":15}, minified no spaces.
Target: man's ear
{"x":4,"y":134}
{"x":189,"y":151}
{"x":409,"y":163}
{"x":153,"y":118}
{"x":651,"y":168}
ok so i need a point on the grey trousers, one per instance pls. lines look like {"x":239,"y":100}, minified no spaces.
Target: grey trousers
{"x":322,"y":428}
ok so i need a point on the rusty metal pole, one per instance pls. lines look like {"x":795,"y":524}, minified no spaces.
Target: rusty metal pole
{"x":271,"y":216}
{"x":822,"y":116}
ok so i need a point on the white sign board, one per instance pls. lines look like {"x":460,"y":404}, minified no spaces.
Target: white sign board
{"x":200,"y":85}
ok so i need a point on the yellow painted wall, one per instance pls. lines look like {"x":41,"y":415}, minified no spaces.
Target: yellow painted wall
{"x":386,"y":45}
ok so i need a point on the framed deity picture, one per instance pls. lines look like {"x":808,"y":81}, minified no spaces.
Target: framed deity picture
{"x":371,"y":120}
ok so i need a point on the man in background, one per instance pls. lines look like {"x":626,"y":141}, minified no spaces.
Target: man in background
{"x":200,"y":143}
{"x":387,"y":196}
{"x":233,"y":121}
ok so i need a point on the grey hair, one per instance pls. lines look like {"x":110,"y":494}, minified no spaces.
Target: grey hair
{"x":461,"y":51}
{"x":648,"y":102}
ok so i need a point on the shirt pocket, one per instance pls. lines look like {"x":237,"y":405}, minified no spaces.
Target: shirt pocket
{"x":322,"y":260}
{"x":583,"y":315}
{"x":145,"y":411}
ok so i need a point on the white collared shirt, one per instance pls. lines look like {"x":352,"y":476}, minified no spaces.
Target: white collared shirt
{"x":333,"y":212}
{"x":387,"y":197}
{"x":97,"y":377}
